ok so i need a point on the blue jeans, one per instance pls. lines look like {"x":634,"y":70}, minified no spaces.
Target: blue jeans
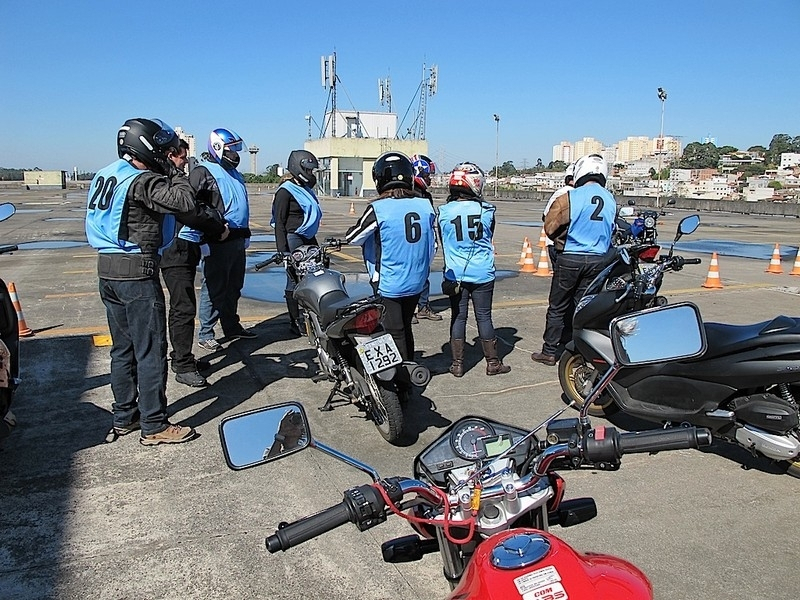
{"x":425,"y":295}
{"x":136,"y":312}
{"x":481,"y":295}
{"x":223,"y":280}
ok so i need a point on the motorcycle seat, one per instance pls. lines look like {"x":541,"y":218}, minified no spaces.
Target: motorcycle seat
{"x":723,"y":338}
{"x":332,"y":305}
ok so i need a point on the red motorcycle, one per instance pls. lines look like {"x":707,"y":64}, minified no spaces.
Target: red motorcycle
{"x":485,"y":493}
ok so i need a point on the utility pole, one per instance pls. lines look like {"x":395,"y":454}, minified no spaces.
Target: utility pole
{"x":662,"y":95}
{"x":496,"y":152}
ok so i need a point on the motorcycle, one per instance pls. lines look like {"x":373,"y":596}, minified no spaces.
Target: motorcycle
{"x":485,"y":493}
{"x":743,"y":388}
{"x":353,"y":349}
{"x":643,"y":229}
{"x":9,"y":343}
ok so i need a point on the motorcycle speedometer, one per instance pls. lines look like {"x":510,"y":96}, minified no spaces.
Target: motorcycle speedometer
{"x":465,"y":438}
{"x":298,"y":256}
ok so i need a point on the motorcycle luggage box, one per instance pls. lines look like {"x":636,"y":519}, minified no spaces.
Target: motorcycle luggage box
{"x":766,"y":411}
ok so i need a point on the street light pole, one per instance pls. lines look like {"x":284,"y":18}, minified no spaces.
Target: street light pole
{"x":496,"y":152}
{"x":662,"y":95}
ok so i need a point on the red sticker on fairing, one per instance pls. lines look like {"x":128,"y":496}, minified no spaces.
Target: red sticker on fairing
{"x":600,"y":433}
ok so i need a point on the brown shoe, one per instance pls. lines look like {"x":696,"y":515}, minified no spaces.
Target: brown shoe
{"x":545,"y":359}
{"x":173,"y":434}
{"x":426,"y":313}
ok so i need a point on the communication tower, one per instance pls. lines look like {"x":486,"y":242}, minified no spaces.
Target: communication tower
{"x":385,"y":93}
{"x":253,"y":150}
{"x":329,"y":80}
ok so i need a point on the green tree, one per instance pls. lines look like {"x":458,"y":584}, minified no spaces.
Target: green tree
{"x":781,"y":142}
{"x":727,"y":150}
{"x":700,"y":156}
{"x":775,"y":185}
{"x":753,"y":170}
{"x":557,"y":165}
{"x":758,"y":149}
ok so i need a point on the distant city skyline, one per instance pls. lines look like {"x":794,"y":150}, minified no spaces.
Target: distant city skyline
{"x":73,"y":73}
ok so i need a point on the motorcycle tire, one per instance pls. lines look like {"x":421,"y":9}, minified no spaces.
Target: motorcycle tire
{"x":577,"y":378}
{"x":793,"y":468}
{"x":384,"y":407}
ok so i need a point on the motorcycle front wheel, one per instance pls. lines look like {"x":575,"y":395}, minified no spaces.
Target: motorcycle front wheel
{"x":577,"y":377}
{"x":383,"y":407}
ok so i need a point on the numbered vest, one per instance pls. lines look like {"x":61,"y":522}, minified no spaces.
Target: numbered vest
{"x":105,"y":229}
{"x":404,"y":245}
{"x":467,"y":240}
{"x":592,"y":210}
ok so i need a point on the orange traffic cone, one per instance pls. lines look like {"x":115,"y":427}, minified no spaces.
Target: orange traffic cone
{"x":352,"y":208}
{"x":24,"y":330}
{"x":529,"y":266}
{"x":544,"y":264}
{"x":712,"y":279}
{"x":525,"y":245}
{"x":775,"y":261}
{"x":542,"y":239}
{"x":796,"y":268}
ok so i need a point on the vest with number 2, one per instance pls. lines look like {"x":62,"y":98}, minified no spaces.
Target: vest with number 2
{"x":592,"y":211}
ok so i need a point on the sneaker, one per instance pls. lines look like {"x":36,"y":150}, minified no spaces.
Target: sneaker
{"x":117,"y":431}
{"x":414,"y":319}
{"x":191,"y":378}
{"x":426,"y":313}
{"x":173,"y":434}
{"x":211,"y":345}
{"x":245,"y":334}
{"x":543,"y":358}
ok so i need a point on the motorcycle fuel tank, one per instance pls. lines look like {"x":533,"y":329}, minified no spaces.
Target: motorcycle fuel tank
{"x":315,"y":285}
{"x":534,"y":565}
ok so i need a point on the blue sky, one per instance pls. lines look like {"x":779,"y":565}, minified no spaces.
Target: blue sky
{"x":73,"y":72}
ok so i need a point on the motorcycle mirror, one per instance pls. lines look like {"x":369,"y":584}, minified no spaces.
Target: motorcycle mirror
{"x":663,"y":334}
{"x":689,"y":224}
{"x":6,"y":210}
{"x":671,"y":201}
{"x":626,"y":211}
{"x":631,"y":202}
{"x":264,"y":435}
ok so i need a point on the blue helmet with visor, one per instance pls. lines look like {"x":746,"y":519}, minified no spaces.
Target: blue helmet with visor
{"x":224,"y":146}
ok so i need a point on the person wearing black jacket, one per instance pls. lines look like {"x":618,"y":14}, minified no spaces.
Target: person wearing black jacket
{"x":179,"y":269}
{"x":296,"y":215}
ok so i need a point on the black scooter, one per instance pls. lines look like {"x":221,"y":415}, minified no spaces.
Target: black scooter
{"x":744,"y":387}
{"x":9,"y":344}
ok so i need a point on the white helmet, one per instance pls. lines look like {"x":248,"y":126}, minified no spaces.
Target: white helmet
{"x":591,"y":167}
{"x":467,"y":179}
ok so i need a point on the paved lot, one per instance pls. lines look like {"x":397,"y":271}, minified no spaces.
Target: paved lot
{"x":84,"y":519}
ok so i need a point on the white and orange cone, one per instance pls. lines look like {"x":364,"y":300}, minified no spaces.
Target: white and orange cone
{"x":712,"y":279}
{"x":352,"y":208}
{"x":775,"y":261}
{"x":529,"y":266}
{"x":525,"y":245}
{"x":24,"y":330}
{"x":543,"y":270}
{"x":796,"y":268}
{"x":542,"y":239}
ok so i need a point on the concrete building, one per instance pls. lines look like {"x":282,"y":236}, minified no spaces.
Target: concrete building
{"x":45,"y":179}
{"x":789,"y":160}
{"x":563,"y":152}
{"x":587,"y":145}
{"x":189,"y":140}
{"x":632,"y":148}
{"x":351,"y":142}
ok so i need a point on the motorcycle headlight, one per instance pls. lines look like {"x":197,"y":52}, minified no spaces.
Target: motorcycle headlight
{"x":649,"y":222}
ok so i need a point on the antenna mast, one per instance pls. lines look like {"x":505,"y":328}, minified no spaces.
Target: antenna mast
{"x":429,"y":87}
{"x":385,"y":93}
{"x":328,"y":74}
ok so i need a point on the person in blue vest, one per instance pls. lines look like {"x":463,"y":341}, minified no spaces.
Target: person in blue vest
{"x":580,"y":222}
{"x":296,"y":215}
{"x":130,"y":219}
{"x":424,"y":167}
{"x":466,"y":223}
{"x":396,"y":233}
{"x":218,"y":184}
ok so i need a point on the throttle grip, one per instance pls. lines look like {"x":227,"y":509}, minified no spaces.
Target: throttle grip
{"x":664,"y":439}
{"x":309,"y":527}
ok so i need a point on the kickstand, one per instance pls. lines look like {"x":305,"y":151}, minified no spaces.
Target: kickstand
{"x":336,"y":391}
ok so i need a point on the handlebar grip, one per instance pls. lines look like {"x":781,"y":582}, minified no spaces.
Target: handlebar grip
{"x":272,"y":259}
{"x":12,"y":248}
{"x":664,"y":439}
{"x":309,"y":527}
{"x":692,"y":261}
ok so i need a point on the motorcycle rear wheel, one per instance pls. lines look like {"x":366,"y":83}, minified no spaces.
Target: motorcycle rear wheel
{"x":384,"y":407}
{"x":577,"y":378}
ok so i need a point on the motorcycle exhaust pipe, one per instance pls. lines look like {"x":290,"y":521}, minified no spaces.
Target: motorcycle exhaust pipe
{"x":420,"y":376}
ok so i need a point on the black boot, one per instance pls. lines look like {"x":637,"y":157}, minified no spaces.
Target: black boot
{"x":494,"y":366}
{"x":457,"y":350}
{"x":294,"y":313}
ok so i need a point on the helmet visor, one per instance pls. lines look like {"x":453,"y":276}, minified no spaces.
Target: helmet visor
{"x":165,"y":135}
{"x":236,"y":144}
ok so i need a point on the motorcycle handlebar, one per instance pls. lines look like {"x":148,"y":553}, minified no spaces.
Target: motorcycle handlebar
{"x":692,"y":261}
{"x":309,"y":527}
{"x":5,"y":249}
{"x":275,"y":258}
{"x":605,"y":444}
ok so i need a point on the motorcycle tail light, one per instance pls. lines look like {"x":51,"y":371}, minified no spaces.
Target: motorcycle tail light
{"x":367,"y":321}
{"x":649,"y":254}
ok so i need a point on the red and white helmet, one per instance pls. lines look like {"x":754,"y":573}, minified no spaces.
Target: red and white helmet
{"x":467,"y":179}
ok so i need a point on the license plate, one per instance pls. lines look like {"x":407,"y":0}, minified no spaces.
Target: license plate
{"x":378,"y":353}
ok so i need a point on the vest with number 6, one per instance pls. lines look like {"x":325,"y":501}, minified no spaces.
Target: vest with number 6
{"x":405,"y":245}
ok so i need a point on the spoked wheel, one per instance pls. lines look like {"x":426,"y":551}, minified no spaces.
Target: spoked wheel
{"x":383,"y":407}
{"x":577,"y":377}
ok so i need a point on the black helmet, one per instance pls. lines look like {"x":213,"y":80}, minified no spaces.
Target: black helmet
{"x":393,"y":170}
{"x":147,"y":140}
{"x":302,"y":165}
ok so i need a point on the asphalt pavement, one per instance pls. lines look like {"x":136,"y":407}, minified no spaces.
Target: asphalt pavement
{"x":82,"y":518}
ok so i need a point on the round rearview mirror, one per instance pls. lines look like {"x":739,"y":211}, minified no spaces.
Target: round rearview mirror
{"x":631,"y":202}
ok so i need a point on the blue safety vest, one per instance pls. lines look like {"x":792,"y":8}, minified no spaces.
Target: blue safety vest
{"x":467,"y":240}
{"x":592,"y":211}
